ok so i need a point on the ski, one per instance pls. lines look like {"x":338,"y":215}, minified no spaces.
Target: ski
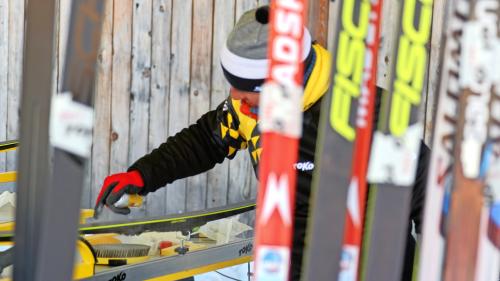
{"x":8,"y":145}
{"x":474,"y":138}
{"x":48,"y":203}
{"x":396,"y":146}
{"x":280,"y":114}
{"x":440,"y":175}
{"x":343,"y":145}
{"x":357,"y":193}
{"x":488,"y":261}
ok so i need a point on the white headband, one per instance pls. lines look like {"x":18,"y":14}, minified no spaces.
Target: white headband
{"x":254,"y":68}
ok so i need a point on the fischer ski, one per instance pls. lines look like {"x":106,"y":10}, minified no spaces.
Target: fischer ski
{"x":348,"y":104}
{"x":440,"y":175}
{"x":280,"y":114}
{"x":478,"y":77}
{"x":396,"y":146}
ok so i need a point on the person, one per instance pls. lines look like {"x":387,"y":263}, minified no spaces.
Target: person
{"x":233,"y":126}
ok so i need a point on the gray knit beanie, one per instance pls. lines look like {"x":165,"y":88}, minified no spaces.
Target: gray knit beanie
{"x":244,"y":56}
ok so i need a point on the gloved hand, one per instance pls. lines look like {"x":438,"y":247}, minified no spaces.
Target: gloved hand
{"x":114,"y":187}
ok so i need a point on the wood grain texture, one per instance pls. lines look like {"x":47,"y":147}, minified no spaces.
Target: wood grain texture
{"x":317,"y":20}
{"x":141,"y":82}
{"x":122,"y":55}
{"x":240,"y":178}
{"x":440,"y":12}
{"x":159,"y":105}
{"x":14,"y":83}
{"x":102,"y":109}
{"x":387,"y":42}
{"x":4,"y":70}
{"x":240,"y":168}
{"x":120,"y":95}
{"x":199,"y":98}
{"x":223,"y":24}
{"x":332,"y":24}
{"x":179,"y":89}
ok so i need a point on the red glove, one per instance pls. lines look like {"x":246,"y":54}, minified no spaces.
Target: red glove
{"x":114,"y":187}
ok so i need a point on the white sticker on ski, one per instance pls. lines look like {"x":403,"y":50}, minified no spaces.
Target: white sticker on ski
{"x":280,"y":110}
{"x":394,"y":160}
{"x":478,"y":73}
{"x":71,"y":125}
{"x":272,"y":263}
{"x":349,"y":263}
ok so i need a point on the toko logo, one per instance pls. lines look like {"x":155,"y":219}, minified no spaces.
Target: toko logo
{"x":304,"y":166}
{"x":120,"y":277}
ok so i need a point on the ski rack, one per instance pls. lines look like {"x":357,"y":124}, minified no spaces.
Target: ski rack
{"x":33,"y":183}
{"x":51,"y":178}
{"x":182,"y":266}
{"x":182,"y":222}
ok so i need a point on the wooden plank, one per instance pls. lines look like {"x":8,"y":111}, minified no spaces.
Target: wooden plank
{"x":332,"y":24}
{"x":240,"y":168}
{"x":4,"y":70}
{"x":253,"y":179}
{"x":63,"y":29}
{"x":387,"y":42}
{"x":14,"y":83}
{"x":318,"y":14}
{"x":240,"y":178}
{"x":199,"y":98}
{"x":102,"y":108}
{"x":244,"y":5}
{"x":160,"y":77}
{"x":223,"y":24}
{"x":120,"y":95}
{"x":179,"y":89}
{"x":439,"y":14}
{"x":141,"y":83}
{"x":122,"y":56}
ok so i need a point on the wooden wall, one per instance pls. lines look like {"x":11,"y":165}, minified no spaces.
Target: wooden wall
{"x":158,"y":71}
{"x":11,"y":46}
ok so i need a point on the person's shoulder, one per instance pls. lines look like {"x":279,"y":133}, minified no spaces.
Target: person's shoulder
{"x":321,"y":50}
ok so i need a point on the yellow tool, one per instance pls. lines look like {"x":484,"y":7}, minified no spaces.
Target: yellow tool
{"x":189,"y":246}
{"x":85,"y":260}
{"x":129,"y":200}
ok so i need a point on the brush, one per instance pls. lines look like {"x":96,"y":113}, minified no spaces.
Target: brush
{"x":120,"y":254}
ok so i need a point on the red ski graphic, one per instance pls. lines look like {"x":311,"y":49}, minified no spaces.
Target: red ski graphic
{"x":281,"y":125}
{"x":356,"y":199}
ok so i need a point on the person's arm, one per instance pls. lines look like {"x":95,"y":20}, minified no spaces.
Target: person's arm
{"x":193,"y":150}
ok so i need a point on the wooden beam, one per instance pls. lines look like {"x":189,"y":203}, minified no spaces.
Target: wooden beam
{"x":318,"y":20}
